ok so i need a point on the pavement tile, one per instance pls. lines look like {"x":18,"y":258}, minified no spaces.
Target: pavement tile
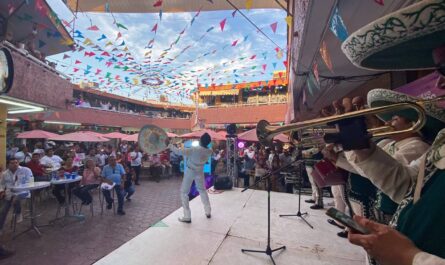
{"x":86,"y":242}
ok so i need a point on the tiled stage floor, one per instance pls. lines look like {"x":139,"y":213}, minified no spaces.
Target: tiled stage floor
{"x":239,"y":220}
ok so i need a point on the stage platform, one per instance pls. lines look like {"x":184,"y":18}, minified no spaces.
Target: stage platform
{"x":239,"y":220}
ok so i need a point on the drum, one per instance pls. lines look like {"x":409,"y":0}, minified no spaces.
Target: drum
{"x":152,"y":139}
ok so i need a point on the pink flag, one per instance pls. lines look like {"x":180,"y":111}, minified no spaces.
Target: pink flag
{"x":234,"y":43}
{"x":75,"y":69}
{"x":108,"y":64}
{"x":105,"y":54}
{"x":253,"y":57}
{"x":285,"y":64}
{"x":77,"y":62}
{"x":93,"y":28}
{"x":222,"y":24}
{"x":65,"y":56}
{"x":264,"y":67}
{"x":98,"y":71}
{"x":157,"y":3}
{"x":118,"y":35}
{"x":273,"y":26}
{"x":155,"y":28}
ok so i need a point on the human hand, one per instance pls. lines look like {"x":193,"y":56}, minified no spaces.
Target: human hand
{"x":383,"y":243}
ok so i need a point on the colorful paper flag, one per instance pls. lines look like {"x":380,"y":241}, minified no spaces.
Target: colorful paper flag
{"x":93,"y":28}
{"x":155,"y":28}
{"x":288,"y":20}
{"x":325,"y":56}
{"x":249,"y":4}
{"x":234,"y":43}
{"x":337,"y":26}
{"x":273,"y":26}
{"x":119,"y":25}
{"x":222,"y":24}
{"x":157,"y":3}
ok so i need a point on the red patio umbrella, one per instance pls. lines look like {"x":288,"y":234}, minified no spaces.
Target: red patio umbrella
{"x":36,"y":134}
{"x":250,"y":136}
{"x":80,"y":137}
{"x":115,"y":135}
{"x":197,"y":134}
{"x":131,"y":137}
{"x":172,"y":135}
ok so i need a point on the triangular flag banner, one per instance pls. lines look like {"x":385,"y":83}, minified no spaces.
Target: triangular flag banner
{"x":311,"y":84}
{"x":119,"y":25}
{"x":222,"y":24}
{"x":337,"y":25}
{"x":273,"y":26}
{"x":65,"y":56}
{"x":118,"y":35}
{"x":93,"y":28}
{"x":274,"y":65}
{"x":289,"y":21}
{"x":75,"y":70}
{"x":234,"y":43}
{"x":157,"y":3}
{"x":102,"y":37}
{"x":264,"y":67}
{"x":155,"y":28}
{"x":285,"y":64}
{"x":315,"y":71}
{"x":77,"y":62}
{"x":249,"y":4}
{"x":325,"y":56}
{"x":233,"y":13}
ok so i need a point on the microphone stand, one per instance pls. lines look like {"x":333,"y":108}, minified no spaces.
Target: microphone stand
{"x":299,"y":213}
{"x":267,"y":178}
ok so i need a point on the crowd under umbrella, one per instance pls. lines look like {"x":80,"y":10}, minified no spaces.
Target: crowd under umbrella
{"x":36,"y":134}
{"x":250,"y":136}
{"x":197,"y":134}
{"x":80,"y":137}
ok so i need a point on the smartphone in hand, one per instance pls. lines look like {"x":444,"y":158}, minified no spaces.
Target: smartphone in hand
{"x":346,"y":220}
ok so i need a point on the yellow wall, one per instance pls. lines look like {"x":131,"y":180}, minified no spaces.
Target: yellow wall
{"x":3,"y":115}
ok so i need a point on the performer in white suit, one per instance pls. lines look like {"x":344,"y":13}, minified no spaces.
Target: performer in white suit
{"x":195,"y":158}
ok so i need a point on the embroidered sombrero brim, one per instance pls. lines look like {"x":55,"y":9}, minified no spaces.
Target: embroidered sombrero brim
{"x":435,"y":115}
{"x":401,"y":40}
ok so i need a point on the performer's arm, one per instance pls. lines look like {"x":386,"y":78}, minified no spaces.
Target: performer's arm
{"x":423,"y":258}
{"x":392,"y":177}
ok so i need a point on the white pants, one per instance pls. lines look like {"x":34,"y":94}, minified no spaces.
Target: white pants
{"x":315,"y":193}
{"x":189,"y":176}
{"x":339,"y":200}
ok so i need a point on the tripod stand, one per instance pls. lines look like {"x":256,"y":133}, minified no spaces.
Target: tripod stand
{"x":266,"y":178}
{"x":299,"y":214}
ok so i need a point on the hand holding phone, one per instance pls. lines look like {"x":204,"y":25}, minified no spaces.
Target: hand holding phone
{"x":346,"y":220}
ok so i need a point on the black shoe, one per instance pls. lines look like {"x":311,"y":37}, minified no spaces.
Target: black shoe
{"x":109,"y":206}
{"x":343,"y":234}
{"x":316,"y":207}
{"x":334,"y":223}
{"x":121,"y":212}
{"x":309,"y":201}
{"x":208,"y":216}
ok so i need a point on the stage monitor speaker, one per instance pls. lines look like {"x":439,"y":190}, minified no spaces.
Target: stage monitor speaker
{"x":223,"y":183}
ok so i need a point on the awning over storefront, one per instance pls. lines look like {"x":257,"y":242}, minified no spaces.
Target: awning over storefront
{"x":219,"y":92}
{"x":144,"y":6}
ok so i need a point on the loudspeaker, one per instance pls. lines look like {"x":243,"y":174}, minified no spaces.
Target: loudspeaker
{"x":223,"y":183}
{"x":231,"y":129}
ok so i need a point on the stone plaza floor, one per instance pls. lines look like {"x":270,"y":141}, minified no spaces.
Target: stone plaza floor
{"x":85,"y":242}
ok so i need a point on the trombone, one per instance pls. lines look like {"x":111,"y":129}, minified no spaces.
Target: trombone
{"x":266,"y":132}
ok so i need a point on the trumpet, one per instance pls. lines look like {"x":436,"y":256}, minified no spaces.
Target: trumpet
{"x":266,"y":132}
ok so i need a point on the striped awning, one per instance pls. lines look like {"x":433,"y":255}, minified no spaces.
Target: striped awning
{"x":219,"y":92}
